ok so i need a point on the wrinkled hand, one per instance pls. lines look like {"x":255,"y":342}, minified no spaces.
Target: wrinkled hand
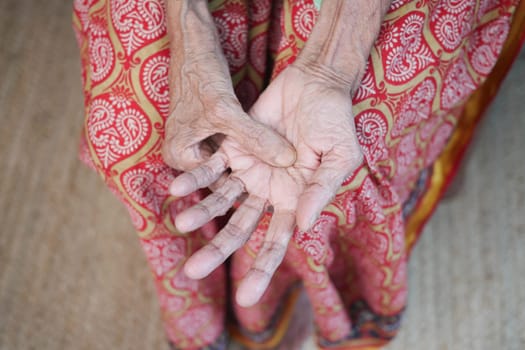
{"x":315,"y":115}
{"x":203,"y":106}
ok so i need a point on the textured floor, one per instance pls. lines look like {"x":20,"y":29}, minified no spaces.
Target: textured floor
{"x":72,"y":275}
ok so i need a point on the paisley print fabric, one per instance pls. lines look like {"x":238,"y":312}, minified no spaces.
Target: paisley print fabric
{"x":429,"y":57}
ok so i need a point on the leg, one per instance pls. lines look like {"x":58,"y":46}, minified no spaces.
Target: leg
{"x":125,"y":66}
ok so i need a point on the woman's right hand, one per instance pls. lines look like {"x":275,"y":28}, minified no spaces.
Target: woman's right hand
{"x":203,"y":105}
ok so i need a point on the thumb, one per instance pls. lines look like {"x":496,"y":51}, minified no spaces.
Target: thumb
{"x":260,"y":140}
{"x":323,"y":186}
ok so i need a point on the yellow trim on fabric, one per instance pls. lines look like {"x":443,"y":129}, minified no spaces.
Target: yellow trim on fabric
{"x":446,"y":164}
{"x":254,"y":76}
{"x":359,"y":344}
{"x":287,"y":11}
{"x":215,"y":4}
{"x":259,"y":29}
{"x":240,"y":75}
{"x":76,"y":22}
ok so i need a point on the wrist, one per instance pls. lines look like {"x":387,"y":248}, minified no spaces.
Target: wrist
{"x":317,"y":68}
{"x":195,"y":51}
{"x":342,"y":39}
{"x":191,"y":30}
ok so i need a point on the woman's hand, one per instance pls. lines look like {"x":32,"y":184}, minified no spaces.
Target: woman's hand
{"x":314,"y":113}
{"x":310,"y":104}
{"x":202,"y":103}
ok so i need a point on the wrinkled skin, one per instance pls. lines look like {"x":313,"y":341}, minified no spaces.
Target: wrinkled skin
{"x":203,"y":105}
{"x":315,"y":115}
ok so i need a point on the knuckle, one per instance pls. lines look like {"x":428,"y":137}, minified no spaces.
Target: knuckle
{"x":222,"y":202}
{"x":254,"y":206}
{"x":275,"y":247}
{"x":262,"y":271}
{"x":204,"y":209}
{"x":205,"y":173}
{"x":235,"y":234}
{"x":237,"y":184}
{"x":218,"y":247}
{"x":270,"y":257}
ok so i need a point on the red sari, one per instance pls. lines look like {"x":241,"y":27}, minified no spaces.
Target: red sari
{"x":414,"y":115}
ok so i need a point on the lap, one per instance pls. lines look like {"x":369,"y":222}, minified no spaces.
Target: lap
{"x":427,"y":60}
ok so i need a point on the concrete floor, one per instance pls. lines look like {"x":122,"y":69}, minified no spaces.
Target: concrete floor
{"x":72,"y":275}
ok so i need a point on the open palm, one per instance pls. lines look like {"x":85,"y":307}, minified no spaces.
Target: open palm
{"x":315,"y":115}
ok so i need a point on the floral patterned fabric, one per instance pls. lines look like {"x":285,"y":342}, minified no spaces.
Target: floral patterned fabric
{"x":428,"y":58}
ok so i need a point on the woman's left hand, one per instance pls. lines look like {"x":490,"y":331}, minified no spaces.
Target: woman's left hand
{"x":314,"y":113}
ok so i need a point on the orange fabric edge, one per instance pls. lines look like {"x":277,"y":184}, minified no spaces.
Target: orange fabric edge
{"x":359,"y":344}
{"x":447,"y":164}
{"x":280,"y":328}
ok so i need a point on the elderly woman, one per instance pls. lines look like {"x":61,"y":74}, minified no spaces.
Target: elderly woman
{"x":332,"y":128}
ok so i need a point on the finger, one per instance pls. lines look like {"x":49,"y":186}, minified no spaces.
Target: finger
{"x":320,"y":191}
{"x":220,"y":181}
{"x":260,"y":140}
{"x":199,"y":177}
{"x":233,"y":236}
{"x":216,"y":204}
{"x":268,"y":259}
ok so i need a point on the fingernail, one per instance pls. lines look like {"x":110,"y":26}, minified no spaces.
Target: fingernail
{"x":249,"y":292}
{"x":178,"y":187}
{"x":285,"y":158}
{"x":182,"y":223}
{"x":173,"y":189}
{"x":192,"y":271}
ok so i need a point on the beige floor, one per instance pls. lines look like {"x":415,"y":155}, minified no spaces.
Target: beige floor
{"x":72,"y":275}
